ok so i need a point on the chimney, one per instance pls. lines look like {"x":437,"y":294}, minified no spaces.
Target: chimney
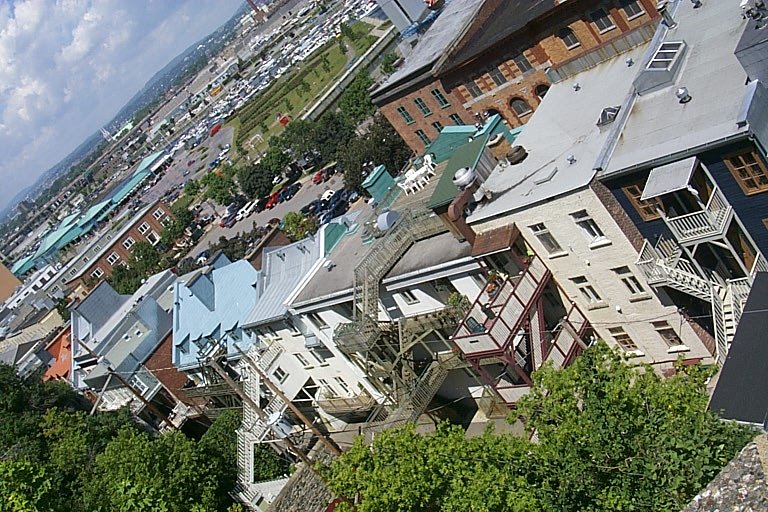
{"x":663,"y":7}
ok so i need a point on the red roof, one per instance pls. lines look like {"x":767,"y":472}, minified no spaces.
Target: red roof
{"x":61,"y":351}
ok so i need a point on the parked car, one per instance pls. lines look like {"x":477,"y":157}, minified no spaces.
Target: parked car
{"x":327,"y":195}
{"x":261,"y":204}
{"x":203,"y":257}
{"x":293,"y":189}
{"x":282,"y":195}
{"x":245,"y":211}
{"x":272,"y":202}
{"x":312,"y":207}
{"x":318,"y":177}
{"x":227,"y":221}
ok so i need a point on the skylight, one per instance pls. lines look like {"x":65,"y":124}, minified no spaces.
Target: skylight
{"x":608,"y":115}
{"x":666,"y":54}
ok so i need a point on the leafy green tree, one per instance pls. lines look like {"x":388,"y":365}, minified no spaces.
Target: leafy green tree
{"x":609,"y":437}
{"x":355,"y":103}
{"x":275,"y":159}
{"x":388,"y":62}
{"x":24,"y":487}
{"x":136,"y":472}
{"x":352,"y":158}
{"x":297,"y":226}
{"x":219,"y":187}
{"x":144,"y":262}
{"x":254,"y":181}
{"x":192,"y":188}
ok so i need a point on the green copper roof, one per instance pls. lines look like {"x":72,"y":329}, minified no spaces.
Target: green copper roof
{"x":465,"y":156}
{"x":450,"y":139}
{"x":147,"y":162}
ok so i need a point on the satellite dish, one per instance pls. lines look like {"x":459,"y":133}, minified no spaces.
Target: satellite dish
{"x":386,"y":220}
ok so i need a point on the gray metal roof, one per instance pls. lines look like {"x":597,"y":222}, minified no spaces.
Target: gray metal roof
{"x":283,"y":270}
{"x":446,"y":28}
{"x":564,"y":125}
{"x":99,"y":306}
{"x":658,"y":125}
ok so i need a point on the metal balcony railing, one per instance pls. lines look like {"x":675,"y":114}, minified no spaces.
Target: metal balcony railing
{"x":711,"y":221}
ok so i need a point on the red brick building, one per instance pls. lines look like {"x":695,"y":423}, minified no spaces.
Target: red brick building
{"x":501,"y":58}
{"x":146,"y":225}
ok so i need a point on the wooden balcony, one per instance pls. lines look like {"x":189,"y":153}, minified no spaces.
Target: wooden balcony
{"x":711,"y":222}
{"x":340,"y":405}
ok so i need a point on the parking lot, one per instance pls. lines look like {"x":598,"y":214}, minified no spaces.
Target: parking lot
{"x":307,"y":193}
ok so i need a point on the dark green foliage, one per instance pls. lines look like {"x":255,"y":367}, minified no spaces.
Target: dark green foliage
{"x":388,"y":62}
{"x":355,"y":103}
{"x":610,"y":437}
{"x":144,"y":262}
{"x":297,"y":226}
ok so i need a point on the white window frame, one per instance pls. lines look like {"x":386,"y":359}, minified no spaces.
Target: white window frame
{"x":158,"y":214}
{"x":567,"y":33}
{"x":128,"y":243}
{"x":138,"y":385}
{"x":630,"y":280}
{"x":144,"y":227}
{"x":605,"y":20}
{"x":343,"y":385}
{"x":521,"y":61}
{"x":153,"y":238}
{"x":280,"y":375}
{"x":303,"y":361}
{"x":631,"y":5}
{"x":97,"y":273}
{"x":589,"y":228}
{"x":587,"y":291}
{"x":113,"y":258}
{"x":666,"y":55}
{"x":546,"y":239}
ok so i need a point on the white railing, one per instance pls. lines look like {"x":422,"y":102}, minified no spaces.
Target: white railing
{"x":269,"y":356}
{"x":760,"y":265}
{"x":707,"y":222}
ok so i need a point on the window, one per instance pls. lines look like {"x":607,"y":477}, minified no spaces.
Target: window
{"x":541,"y":91}
{"x":622,"y":339}
{"x":153,"y":238}
{"x":97,"y":273}
{"x":342,"y":384}
{"x":473,"y":89}
{"x":587,"y":291}
{"x":319,"y":358}
{"x":302,"y":360}
{"x":405,"y":115}
{"x":440,"y":98}
{"x":666,"y":55}
{"x":523,"y":63}
{"x":437,"y":125}
{"x":138,"y":385}
{"x":543,"y":235}
{"x":86,"y":259}
{"x":73,"y":272}
{"x":667,"y":333}
{"x":520,"y":106}
{"x":292,"y":326}
{"x":589,"y":227}
{"x":602,"y":21}
{"x":423,"y":137}
{"x":750,"y":172}
{"x":422,"y":107}
{"x":631,"y":8}
{"x":317,"y":320}
{"x":457,"y":120}
{"x":568,"y":38}
{"x":113,"y":258}
{"x":326,"y":388}
{"x":649,"y":209}
{"x":280,"y":374}
{"x":167,"y":221}
{"x":630,"y":281}
{"x":409,"y":297}
{"x":143,"y":228}
{"x":128,"y":242}
{"x":158,"y":214}
{"x":497,"y":76}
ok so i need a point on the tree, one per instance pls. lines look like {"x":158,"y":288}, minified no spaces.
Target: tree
{"x":388,"y":63}
{"x":355,"y":103}
{"x":297,"y":226}
{"x":352,"y":158}
{"x":254,"y":181}
{"x":192,"y":188}
{"x":610,"y":437}
{"x":275,"y":159}
{"x":144,"y":262}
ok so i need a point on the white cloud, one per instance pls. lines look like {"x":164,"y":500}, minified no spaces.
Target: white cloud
{"x":67,"y":66}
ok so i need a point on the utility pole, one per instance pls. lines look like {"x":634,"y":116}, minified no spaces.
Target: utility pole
{"x":320,"y":436}
{"x":259,"y":412}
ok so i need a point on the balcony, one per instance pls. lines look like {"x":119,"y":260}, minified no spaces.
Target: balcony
{"x":710,"y":222}
{"x":337,"y":406}
{"x":494,"y":321}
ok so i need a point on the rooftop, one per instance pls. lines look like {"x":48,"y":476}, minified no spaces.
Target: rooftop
{"x":563,"y":126}
{"x":659,"y":128}
{"x":450,"y":24}
{"x":495,"y":21}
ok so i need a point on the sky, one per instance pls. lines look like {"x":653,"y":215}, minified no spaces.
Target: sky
{"x":68,"y":66}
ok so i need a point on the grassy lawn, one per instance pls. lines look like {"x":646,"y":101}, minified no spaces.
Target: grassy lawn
{"x":291,"y":93}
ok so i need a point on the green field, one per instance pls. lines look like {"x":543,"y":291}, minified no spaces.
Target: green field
{"x":291,"y":93}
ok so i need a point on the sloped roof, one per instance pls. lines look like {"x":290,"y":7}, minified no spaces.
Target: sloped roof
{"x":495,"y":21}
{"x":284,"y":268}
{"x":147,"y":162}
{"x":99,"y":305}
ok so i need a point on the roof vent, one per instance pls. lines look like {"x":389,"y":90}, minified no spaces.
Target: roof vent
{"x":328,"y":265}
{"x":683,"y":95}
{"x":608,"y":115}
{"x":516,"y":155}
{"x":464,"y":178}
{"x":667,"y":19}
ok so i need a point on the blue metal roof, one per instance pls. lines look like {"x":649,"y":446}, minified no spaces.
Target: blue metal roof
{"x":211,"y":303}
{"x":144,"y":165}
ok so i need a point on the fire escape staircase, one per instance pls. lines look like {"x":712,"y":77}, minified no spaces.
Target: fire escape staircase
{"x":663,"y":265}
{"x":253,"y":429}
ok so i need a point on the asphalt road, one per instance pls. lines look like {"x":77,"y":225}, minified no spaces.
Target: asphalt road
{"x":306,"y":194}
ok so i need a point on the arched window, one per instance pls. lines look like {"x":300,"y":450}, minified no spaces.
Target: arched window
{"x":541,"y":91}
{"x":568,"y":38}
{"x":520,"y":106}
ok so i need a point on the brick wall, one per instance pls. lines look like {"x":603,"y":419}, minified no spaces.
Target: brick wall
{"x":160,"y":365}
{"x":619,"y":215}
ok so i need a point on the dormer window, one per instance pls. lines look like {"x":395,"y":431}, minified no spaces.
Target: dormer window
{"x":608,"y":115}
{"x":666,"y":54}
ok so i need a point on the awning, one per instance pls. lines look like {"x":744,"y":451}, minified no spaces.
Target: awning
{"x":669,"y":178}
